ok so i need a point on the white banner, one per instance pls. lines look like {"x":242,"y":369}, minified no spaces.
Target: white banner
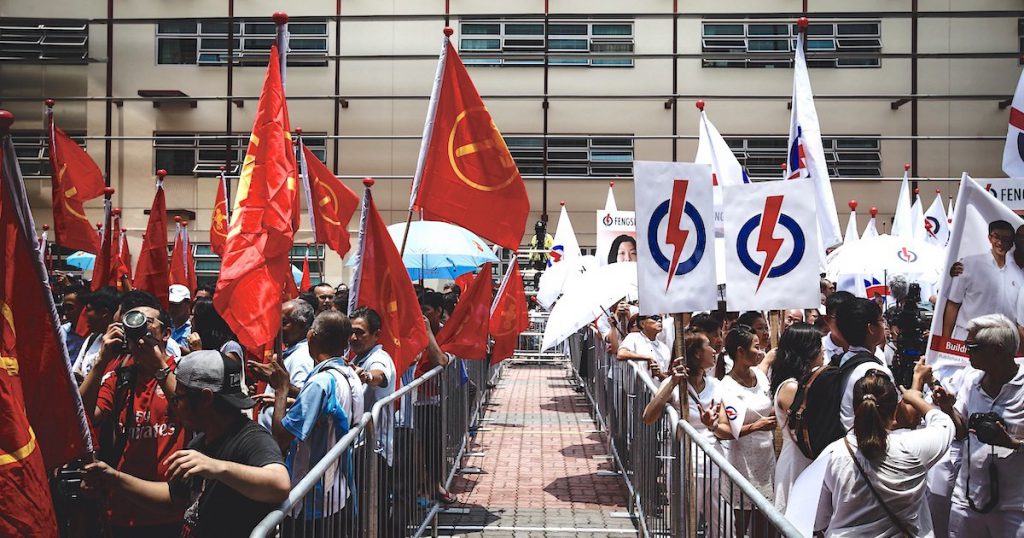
{"x":771,"y":239}
{"x":675,"y":231}
{"x":991,"y":280}
{"x":1013,"y":151}
{"x":616,"y":237}
{"x":1008,"y":191}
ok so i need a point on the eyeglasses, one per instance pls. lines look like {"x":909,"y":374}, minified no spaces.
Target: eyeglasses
{"x":654,"y":318}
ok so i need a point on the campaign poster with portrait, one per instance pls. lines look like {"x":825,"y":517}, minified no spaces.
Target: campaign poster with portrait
{"x":982,"y":274}
{"x":771,"y":246}
{"x":675,"y":215}
{"x":616,"y":236}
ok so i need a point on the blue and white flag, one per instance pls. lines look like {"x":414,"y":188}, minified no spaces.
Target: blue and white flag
{"x":1013,"y":151}
{"x":725,"y":169}
{"x":806,"y":156}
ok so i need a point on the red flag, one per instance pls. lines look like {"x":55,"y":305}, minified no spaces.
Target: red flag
{"x":179,"y":269}
{"x":255,"y":264}
{"x":509,"y":316}
{"x":190,"y":261}
{"x":466,"y":175}
{"x":307,"y":280}
{"x":125,"y":256}
{"x":103,"y":272}
{"x":152,"y":270}
{"x":219,"y":222}
{"x":382,"y":283}
{"x":75,"y":179}
{"x":42,"y":423}
{"x":463,"y":281}
{"x":465,"y":333}
{"x":331,"y":203}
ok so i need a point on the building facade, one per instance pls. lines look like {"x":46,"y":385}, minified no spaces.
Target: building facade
{"x":578,"y":94}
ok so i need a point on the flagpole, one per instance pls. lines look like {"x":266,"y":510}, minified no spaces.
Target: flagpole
{"x":281,"y":20}
{"x":49,"y":135}
{"x":304,"y":175}
{"x":428,"y":131}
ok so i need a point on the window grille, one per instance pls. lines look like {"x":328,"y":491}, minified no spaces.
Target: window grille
{"x":846,"y":157}
{"x":205,"y":42}
{"x":520,"y":42}
{"x":576,"y":156}
{"x":57,"y":41}
{"x":771,"y":44}
{"x":202,"y":155}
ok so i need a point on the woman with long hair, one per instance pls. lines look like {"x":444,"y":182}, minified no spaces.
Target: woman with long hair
{"x":752,"y":452}
{"x":799,"y":353}
{"x":875,"y":479}
{"x":623,"y":249}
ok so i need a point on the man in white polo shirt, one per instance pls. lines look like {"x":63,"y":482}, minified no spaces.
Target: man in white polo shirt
{"x":644,"y":346}
{"x":988,"y":284}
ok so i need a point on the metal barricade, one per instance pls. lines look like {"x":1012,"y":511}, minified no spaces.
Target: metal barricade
{"x":680,"y":484}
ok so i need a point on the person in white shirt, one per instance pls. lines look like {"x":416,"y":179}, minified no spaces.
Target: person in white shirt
{"x":100,"y":308}
{"x":988,"y":497}
{"x":296,"y":319}
{"x":833,"y":343}
{"x":988,"y":284}
{"x":645,"y":347}
{"x":861,"y":324}
{"x":875,"y":476}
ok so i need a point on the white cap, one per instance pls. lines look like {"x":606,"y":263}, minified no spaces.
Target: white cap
{"x":178,"y":293}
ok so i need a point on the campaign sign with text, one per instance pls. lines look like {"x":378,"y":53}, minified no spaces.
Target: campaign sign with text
{"x":616,"y":236}
{"x":675,"y":237}
{"x":1008,"y":191}
{"x":771,"y":239}
{"x":980,"y":275}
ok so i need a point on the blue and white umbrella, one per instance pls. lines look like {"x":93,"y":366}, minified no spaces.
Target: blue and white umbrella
{"x":439,"y":250}
{"x":81,"y":260}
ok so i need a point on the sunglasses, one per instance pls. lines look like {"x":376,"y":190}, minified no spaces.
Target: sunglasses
{"x":653,"y":318}
{"x":972,"y":346}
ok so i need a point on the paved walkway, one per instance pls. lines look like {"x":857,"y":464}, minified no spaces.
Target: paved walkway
{"x":541,"y":466}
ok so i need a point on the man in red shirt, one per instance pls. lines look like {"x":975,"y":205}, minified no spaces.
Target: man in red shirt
{"x":126,"y":393}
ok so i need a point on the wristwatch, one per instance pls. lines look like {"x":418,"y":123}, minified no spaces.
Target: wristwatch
{"x":161,"y":374}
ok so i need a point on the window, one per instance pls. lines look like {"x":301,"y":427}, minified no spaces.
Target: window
{"x":521,"y":42}
{"x":846,"y":157}
{"x":57,"y":41}
{"x":771,"y":44}
{"x":33,"y":151}
{"x":202,"y":155}
{"x":577,"y":156}
{"x":205,"y":42}
{"x":208,"y":263}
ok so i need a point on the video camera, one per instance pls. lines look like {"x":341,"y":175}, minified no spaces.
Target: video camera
{"x":911,"y":325}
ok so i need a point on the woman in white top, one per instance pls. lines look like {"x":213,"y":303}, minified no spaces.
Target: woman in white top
{"x":752,"y":453}
{"x":691,"y":370}
{"x":875,"y":480}
{"x":799,"y":353}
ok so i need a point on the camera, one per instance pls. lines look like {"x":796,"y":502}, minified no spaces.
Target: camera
{"x":912,"y":325}
{"x":69,"y":480}
{"x":986,"y":426}
{"x":136,"y":325}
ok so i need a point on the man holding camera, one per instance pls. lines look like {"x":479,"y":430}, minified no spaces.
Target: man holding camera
{"x":988,"y":498}
{"x":126,"y":394}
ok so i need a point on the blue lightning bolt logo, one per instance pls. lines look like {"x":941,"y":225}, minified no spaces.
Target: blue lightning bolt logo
{"x":766,"y":242}
{"x":674,"y":234}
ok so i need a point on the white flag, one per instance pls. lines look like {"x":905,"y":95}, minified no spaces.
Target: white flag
{"x":871,"y":230}
{"x":675,"y":239}
{"x":735,"y":412}
{"x":1013,"y":151}
{"x":903,"y":220}
{"x":806,"y":155}
{"x":771,"y":246}
{"x":917,"y":217}
{"x":936,"y":224}
{"x":609,"y":203}
{"x":564,"y":248}
{"x":851,"y":225}
{"x":725,"y":169}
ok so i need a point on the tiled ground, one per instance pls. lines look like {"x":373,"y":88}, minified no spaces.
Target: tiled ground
{"x":540,"y":476}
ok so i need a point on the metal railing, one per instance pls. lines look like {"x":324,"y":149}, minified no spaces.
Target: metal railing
{"x":680,"y":482}
{"x":384,"y":475}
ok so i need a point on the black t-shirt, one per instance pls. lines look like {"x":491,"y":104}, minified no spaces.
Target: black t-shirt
{"x":214,"y":508}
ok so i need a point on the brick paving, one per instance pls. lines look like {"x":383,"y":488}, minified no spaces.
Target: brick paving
{"x":540,"y":466}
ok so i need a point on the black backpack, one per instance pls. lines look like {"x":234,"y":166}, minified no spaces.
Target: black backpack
{"x":817,"y":426}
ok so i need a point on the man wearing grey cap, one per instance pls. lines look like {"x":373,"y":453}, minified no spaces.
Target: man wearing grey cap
{"x":231,"y":475}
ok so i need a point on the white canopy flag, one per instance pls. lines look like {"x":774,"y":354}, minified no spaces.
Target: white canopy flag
{"x":936,"y":223}
{"x":851,"y":225}
{"x":609,"y":203}
{"x":980,"y":241}
{"x":903,"y":220}
{"x":771,"y":246}
{"x":806,"y":155}
{"x":1013,"y":151}
{"x":675,"y":239}
{"x":564,"y":248}
{"x":917,"y":217}
{"x":871,"y":230}
{"x":725,"y":169}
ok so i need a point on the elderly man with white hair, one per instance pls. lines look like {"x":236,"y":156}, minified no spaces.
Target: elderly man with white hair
{"x":988,"y":498}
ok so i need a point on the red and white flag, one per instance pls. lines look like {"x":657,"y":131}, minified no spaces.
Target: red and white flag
{"x":936,"y":223}
{"x":1013,"y":151}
